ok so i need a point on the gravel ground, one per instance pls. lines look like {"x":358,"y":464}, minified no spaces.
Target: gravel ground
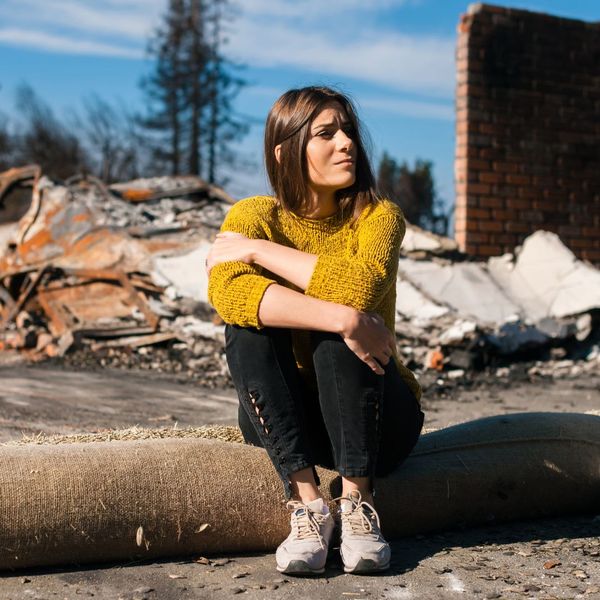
{"x":545,"y":559}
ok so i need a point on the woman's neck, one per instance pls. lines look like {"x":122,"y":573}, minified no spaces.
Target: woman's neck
{"x":321,"y":206}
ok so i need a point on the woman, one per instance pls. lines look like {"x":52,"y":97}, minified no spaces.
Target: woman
{"x":305,"y":281}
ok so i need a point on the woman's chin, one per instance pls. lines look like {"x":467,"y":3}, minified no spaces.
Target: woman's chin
{"x":345,"y":183}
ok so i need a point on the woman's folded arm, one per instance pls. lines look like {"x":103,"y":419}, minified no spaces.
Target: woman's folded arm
{"x":235,"y":290}
{"x":361,"y":280}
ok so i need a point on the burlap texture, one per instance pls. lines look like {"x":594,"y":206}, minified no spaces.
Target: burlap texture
{"x":145,"y":498}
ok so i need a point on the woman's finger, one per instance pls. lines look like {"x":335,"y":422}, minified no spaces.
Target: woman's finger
{"x":373,"y":363}
{"x":384,"y":359}
{"x":230,"y":235}
{"x":376,"y":367}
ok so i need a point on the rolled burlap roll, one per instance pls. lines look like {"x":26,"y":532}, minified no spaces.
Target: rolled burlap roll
{"x":147,"y":498}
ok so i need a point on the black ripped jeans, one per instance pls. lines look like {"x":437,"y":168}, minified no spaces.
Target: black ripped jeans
{"x":359,"y":423}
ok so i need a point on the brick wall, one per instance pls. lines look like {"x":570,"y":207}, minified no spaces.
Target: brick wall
{"x":527,"y":130}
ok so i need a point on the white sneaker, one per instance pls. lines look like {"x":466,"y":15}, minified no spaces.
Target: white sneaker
{"x":363,"y":548}
{"x":304,"y":551}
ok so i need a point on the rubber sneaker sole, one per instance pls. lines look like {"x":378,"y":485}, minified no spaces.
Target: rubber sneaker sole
{"x":365,"y":565}
{"x":299,"y":567}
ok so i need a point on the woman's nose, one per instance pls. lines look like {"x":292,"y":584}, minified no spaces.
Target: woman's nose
{"x":344,"y":141}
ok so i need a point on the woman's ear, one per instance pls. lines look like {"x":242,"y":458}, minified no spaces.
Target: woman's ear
{"x":278,"y":153}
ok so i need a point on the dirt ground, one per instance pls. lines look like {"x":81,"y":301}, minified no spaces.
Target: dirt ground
{"x":552,"y":558}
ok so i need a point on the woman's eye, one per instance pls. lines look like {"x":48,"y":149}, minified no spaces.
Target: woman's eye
{"x":325,"y":133}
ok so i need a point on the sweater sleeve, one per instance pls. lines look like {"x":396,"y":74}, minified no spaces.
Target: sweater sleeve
{"x":235,"y":289}
{"x":362,"y":279}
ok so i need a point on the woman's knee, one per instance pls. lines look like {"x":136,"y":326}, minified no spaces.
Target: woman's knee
{"x":402,"y":424}
{"x":254,"y":351}
{"x":243,"y":339}
{"x":330,"y":352}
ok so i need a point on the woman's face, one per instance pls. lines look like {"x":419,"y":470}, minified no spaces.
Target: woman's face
{"x":331,"y":151}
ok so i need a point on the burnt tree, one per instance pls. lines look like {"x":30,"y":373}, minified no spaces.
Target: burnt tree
{"x":192,"y":89}
{"x":413,"y":189}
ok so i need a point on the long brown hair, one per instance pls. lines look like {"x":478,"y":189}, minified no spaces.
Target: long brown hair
{"x":289,"y":124}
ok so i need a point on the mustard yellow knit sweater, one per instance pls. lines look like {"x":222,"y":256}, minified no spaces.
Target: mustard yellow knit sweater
{"x":357,"y":265}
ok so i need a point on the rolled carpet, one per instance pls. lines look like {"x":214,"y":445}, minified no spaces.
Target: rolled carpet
{"x":94,"y":501}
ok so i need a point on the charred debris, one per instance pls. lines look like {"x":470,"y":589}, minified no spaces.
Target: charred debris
{"x":95,"y":275}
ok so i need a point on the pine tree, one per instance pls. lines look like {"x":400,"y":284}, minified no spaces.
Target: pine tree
{"x":192,"y":88}
{"x":414,"y":191}
{"x":196,"y":60}
{"x":165,"y":89}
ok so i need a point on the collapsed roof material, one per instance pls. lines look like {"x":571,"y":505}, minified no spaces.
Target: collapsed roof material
{"x":546,"y":279}
{"x":466,"y":287}
{"x":543,"y":281}
{"x":185,"y":273}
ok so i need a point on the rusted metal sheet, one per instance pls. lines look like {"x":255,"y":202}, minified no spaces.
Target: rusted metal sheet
{"x":16,"y":197}
{"x":15,"y":175}
{"x":137,"y":341}
{"x":181,"y":186}
{"x":60,"y":320}
{"x":16,"y":189}
{"x":22,"y":299}
{"x":97,"y":249}
{"x":86,"y":305}
{"x":51,"y":226}
{"x":104,"y":248}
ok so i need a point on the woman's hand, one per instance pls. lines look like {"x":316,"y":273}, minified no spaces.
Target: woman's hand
{"x":230,"y":246}
{"x":368,"y":337}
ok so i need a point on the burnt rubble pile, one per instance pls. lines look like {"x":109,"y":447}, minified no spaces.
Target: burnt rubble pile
{"x":94,"y":275}
{"x":92,"y":272}
{"x":539,"y":306}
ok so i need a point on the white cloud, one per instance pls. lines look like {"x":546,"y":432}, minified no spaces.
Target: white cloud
{"x":424,"y":64}
{"x":284,"y":34}
{"x":390,"y":104}
{"x":411,"y":108}
{"x":62,"y":44}
{"x":315,"y":9}
{"x":130,"y":20}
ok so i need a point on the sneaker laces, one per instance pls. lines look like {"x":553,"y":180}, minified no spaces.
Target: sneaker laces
{"x":357,"y":519}
{"x":306,"y":523}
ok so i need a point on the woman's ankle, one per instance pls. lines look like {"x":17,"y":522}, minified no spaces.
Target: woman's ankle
{"x":304,"y":486}
{"x":362,"y":485}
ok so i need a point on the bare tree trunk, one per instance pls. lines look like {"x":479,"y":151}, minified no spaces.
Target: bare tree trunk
{"x":191,"y":90}
{"x":196,"y":67}
{"x":175,"y":134}
{"x":214,"y":94}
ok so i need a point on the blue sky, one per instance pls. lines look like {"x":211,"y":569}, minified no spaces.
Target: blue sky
{"x":395,"y":58}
